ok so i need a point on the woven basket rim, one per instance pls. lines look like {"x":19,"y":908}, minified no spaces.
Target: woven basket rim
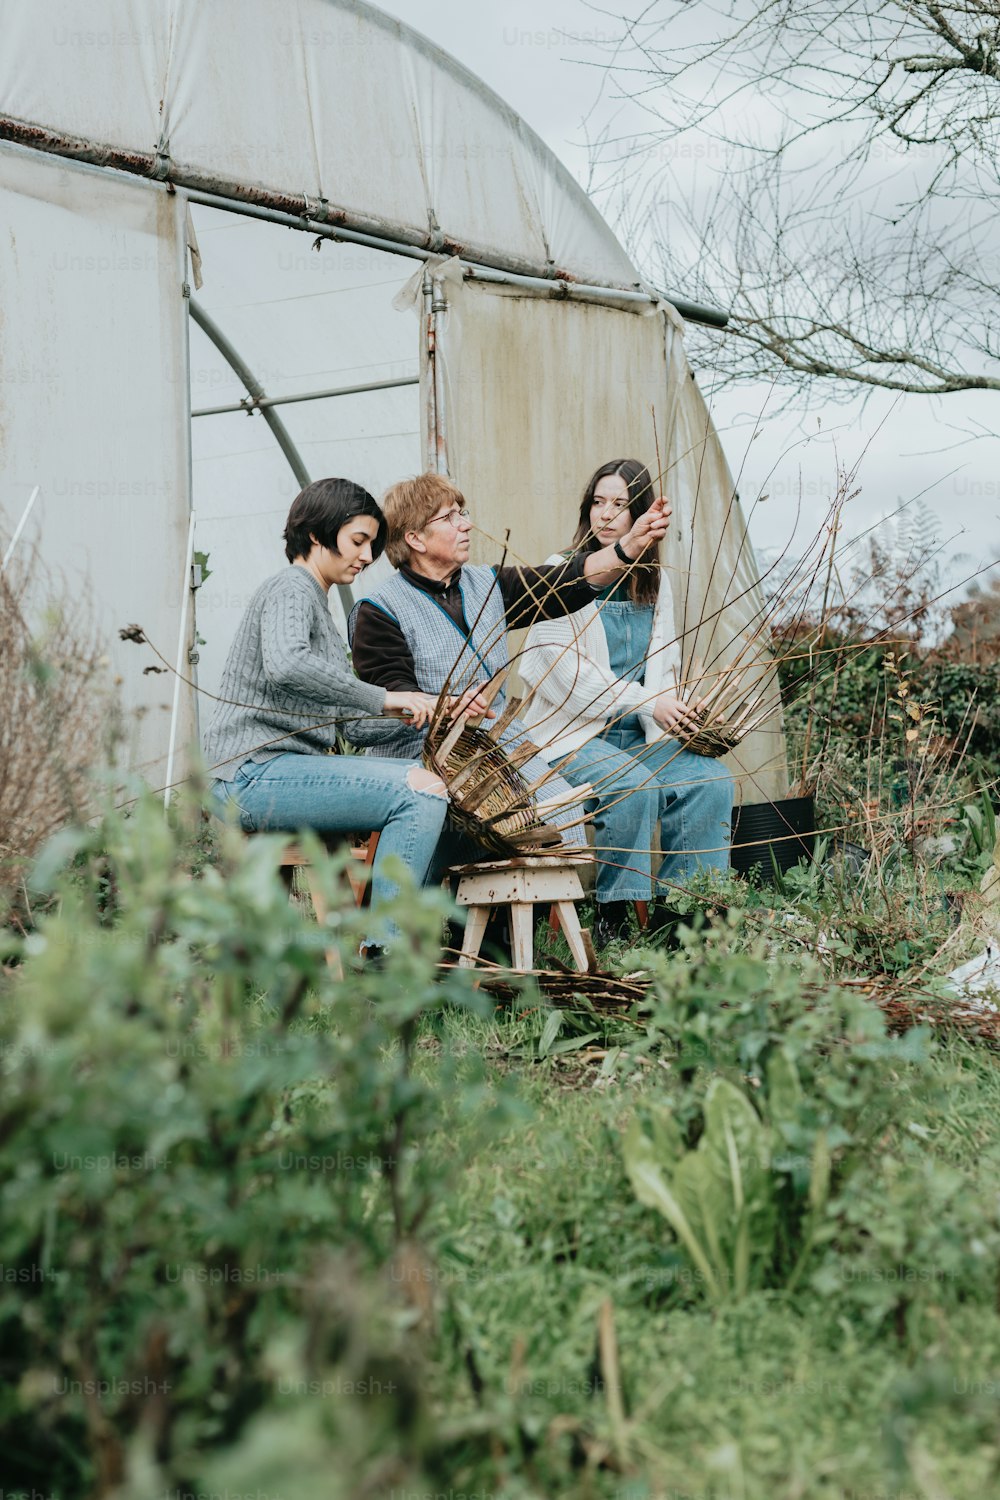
{"x":485,"y":759}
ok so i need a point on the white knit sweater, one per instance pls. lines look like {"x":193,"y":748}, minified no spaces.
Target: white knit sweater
{"x":571,"y":692}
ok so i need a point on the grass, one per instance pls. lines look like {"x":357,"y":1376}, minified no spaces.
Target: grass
{"x":483,"y":1255}
{"x":782,"y":1398}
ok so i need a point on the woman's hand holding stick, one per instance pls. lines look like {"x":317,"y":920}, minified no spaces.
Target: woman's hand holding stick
{"x":651,"y":527}
{"x":415,"y":708}
{"x":418,"y":708}
{"x":677,"y":717}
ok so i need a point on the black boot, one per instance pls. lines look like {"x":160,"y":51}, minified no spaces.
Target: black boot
{"x":664,"y":923}
{"x":611,"y":922}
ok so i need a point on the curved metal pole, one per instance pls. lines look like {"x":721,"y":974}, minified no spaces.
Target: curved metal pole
{"x":282,"y":436}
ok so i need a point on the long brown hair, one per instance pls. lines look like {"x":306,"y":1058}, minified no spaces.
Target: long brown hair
{"x":644,"y":576}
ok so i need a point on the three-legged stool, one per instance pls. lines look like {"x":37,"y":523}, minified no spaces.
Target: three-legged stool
{"x":519,"y":883}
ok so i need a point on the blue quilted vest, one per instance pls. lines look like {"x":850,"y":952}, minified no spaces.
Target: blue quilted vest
{"x":442,"y":653}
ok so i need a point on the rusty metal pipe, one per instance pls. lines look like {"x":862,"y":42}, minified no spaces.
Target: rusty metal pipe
{"x":318,"y":217}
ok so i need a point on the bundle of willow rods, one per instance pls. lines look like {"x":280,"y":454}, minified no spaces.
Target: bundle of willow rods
{"x":713,"y":737}
{"x":489,"y":798}
{"x":608,"y":995}
{"x":624,"y":998}
{"x":975,"y":1022}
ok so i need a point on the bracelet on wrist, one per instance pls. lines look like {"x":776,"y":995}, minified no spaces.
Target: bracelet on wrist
{"x":620,"y":552}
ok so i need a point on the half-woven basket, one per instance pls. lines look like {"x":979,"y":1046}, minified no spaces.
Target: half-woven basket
{"x":489,"y":798}
{"x":713,"y":740}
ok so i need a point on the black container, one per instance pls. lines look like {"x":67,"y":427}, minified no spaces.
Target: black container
{"x":786,"y":828}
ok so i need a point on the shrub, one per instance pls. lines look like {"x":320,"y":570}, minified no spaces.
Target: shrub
{"x":210,"y":1158}
{"x":783,"y":1086}
{"x":57,"y":719}
{"x":847,"y":699}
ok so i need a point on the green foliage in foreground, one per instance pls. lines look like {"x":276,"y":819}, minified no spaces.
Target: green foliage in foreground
{"x":775,"y":1108}
{"x":879,"y":1368}
{"x":264,"y":1231}
{"x":210,"y":1152}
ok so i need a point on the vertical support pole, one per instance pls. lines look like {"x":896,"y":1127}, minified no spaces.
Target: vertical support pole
{"x":435,"y":303}
{"x":181,"y":660}
{"x":19,"y":528}
{"x":430,"y":385}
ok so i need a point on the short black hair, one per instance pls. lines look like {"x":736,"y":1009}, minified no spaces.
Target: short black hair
{"x":321,"y":509}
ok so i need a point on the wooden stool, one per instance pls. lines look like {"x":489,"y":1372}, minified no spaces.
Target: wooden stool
{"x":519,"y":883}
{"x":362,"y":849}
{"x":293,"y":857}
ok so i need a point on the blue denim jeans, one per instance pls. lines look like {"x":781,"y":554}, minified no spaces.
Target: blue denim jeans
{"x":638,"y":785}
{"x":341,"y":794}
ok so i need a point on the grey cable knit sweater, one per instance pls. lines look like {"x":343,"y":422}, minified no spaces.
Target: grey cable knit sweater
{"x":287,"y":680}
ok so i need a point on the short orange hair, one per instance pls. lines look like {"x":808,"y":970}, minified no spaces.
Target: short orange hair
{"x":410,"y":504}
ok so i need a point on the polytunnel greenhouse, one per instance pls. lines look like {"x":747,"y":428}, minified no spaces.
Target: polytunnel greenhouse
{"x":251,"y":244}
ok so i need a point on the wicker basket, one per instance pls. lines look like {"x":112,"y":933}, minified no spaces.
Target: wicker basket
{"x":721,"y":710}
{"x":712,"y":739}
{"x":490,"y":800}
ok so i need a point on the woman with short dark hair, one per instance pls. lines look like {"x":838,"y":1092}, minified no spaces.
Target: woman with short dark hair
{"x":288,"y":688}
{"x":604,"y":707}
{"x":320,"y":511}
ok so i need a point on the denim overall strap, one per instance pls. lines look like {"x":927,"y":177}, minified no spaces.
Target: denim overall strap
{"x":628,"y":628}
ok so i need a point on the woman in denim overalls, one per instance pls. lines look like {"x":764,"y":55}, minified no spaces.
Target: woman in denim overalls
{"x":604,"y":707}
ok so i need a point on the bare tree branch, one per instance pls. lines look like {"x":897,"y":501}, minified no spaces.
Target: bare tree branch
{"x":844,"y":202}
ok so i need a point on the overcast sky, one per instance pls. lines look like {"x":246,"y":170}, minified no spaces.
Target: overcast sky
{"x":543,"y":57}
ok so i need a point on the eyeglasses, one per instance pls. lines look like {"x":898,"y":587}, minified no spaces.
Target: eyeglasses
{"x":454,"y":516}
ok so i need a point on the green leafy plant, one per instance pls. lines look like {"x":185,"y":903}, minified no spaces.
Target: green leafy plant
{"x":912,"y":1241}
{"x":716,"y":1198}
{"x":781,"y":1091}
{"x":211,"y":1151}
{"x":975,"y":839}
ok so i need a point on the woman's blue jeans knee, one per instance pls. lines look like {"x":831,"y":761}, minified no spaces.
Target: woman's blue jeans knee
{"x":695,"y":803}
{"x":640,"y":785}
{"x":342,"y":794}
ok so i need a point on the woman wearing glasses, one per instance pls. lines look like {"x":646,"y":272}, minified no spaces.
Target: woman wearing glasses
{"x":288,"y":689}
{"x":603,"y":704}
{"x":441,"y":623}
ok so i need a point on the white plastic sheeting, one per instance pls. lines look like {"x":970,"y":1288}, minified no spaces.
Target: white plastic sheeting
{"x":323,"y":99}
{"x":721,"y":607}
{"x":93,"y":409}
{"x":537,"y":394}
{"x":304,"y":320}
